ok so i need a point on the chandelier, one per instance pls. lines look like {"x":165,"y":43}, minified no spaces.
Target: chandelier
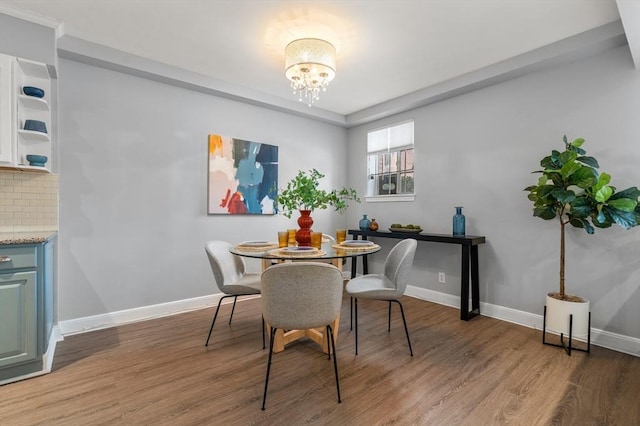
{"x":310,"y":64}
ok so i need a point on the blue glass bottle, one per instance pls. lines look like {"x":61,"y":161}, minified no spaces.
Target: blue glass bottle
{"x":458,"y":222}
{"x":364,"y":223}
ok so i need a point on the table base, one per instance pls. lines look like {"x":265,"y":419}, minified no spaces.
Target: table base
{"x":318,"y":335}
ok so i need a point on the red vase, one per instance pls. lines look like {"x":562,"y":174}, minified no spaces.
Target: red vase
{"x":303,"y":235}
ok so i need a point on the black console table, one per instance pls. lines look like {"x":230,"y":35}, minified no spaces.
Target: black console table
{"x":469,"y":262}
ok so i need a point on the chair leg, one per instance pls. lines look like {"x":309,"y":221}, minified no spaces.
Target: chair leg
{"x":214,"y":318}
{"x":263,"y":326}
{"x":350,"y":313}
{"x":355,"y":317}
{"x":233,"y":308}
{"x":406,"y":330}
{"x":266,"y":381}
{"x":332,"y":343}
{"x":389,"y":326}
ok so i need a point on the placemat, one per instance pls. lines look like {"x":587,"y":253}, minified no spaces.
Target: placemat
{"x":365,"y":248}
{"x":254,"y":249}
{"x":297,"y":255}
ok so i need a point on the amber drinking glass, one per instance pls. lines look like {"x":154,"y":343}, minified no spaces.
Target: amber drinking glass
{"x":316,"y":239}
{"x":292,"y":237}
{"x":341,"y":235}
{"x":283,"y":239}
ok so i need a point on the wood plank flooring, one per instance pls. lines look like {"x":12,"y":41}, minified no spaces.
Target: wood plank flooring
{"x":481,"y":372}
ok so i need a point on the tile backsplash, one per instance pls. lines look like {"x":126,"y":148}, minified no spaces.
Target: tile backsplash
{"x":28,"y":201}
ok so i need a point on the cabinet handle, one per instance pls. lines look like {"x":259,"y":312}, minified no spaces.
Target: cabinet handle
{"x":5,"y":259}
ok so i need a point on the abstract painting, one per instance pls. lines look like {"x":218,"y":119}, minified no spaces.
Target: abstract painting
{"x":243,"y":176}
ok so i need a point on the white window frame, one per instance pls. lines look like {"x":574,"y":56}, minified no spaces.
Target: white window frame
{"x":385,"y":140}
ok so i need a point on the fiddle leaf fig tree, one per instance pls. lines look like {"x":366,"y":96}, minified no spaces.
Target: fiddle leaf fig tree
{"x":573,"y":191}
{"x":303,"y":193}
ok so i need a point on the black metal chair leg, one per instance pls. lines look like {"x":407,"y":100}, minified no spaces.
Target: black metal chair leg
{"x":351,"y":313}
{"x":214,"y":319}
{"x":331,"y":344}
{"x":355,"y":317}
{"x":389,"y":326}
{"x":263,"y":326}
{"x":406,"y":330}
{"x":266,"y":381}
{"x":233,"y":308}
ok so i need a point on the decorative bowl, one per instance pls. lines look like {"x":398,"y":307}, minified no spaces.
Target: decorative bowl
{"x":35,"y":125}
{"x":407,"y":230}
{"x":33,"y":91}
{"x":37,"y":160}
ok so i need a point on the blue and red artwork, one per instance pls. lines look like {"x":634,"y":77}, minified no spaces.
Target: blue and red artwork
{"x":243,"y":176}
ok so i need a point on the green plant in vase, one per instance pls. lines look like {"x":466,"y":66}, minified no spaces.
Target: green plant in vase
{"x":302,"y":193}
{"x":572,"y":191}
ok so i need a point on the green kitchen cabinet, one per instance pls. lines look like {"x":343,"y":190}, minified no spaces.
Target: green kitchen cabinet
{"x":26,"y":307}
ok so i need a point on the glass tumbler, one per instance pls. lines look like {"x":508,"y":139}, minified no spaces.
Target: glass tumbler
{"x":316,"y":239}
{"x":283,"y":239}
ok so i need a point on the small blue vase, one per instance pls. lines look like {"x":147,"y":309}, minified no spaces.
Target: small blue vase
{"x":364,"y":223}
{"x":458,"y":222}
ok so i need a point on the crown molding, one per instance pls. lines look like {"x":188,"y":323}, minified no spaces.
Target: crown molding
{"x":80,"y":50}
{"x":34,"y":18}
{"x":630,"y":16}
{"x":572,"y":48}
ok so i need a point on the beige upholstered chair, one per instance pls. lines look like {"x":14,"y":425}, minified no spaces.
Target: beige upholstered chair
{"x":389,"y":286}
{"x":231,"y":278}
{"x":301,"y":295}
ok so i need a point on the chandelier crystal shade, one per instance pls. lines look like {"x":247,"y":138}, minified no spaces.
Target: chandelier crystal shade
{"x":310,"y":64}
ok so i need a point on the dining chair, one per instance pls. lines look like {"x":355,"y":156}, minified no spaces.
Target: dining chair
{"x":388,"y":286}
{"x":299,"y":296}
{"x":231,"y":278}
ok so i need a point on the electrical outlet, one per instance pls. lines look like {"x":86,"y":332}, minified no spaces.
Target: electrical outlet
{"x":441,"y":277}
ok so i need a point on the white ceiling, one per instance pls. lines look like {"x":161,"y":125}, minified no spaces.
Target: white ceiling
{"x":386,"y":48}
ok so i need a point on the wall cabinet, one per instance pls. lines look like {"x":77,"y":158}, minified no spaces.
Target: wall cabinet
{"x":16,"y":107}
{"x":26,"y":308}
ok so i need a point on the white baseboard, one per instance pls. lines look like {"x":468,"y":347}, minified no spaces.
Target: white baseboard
{"x":113,"y":319}
{"x":54,"y":338}
{"x":605,"y":339}
{"x":616,"y":342}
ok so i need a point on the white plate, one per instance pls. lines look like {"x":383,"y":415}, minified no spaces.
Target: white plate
{"x":357,"y":243}
{"x":304,"y":249}
{"x":255,"y":243}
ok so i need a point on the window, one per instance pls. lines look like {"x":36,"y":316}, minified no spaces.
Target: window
{"x":390,"y":162}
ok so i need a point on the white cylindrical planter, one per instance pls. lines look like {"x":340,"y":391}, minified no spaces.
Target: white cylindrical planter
{"x":557,"y":317}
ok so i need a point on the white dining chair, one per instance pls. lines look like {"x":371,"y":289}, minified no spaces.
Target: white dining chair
{"x":300,"y":296}
{"x":388,"y":286}
{"x":231,"y":278}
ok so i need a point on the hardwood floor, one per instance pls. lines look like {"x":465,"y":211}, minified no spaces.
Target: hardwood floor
{"x":481,"y":372}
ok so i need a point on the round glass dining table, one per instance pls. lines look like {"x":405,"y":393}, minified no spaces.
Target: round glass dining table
{"x":329,"y":252}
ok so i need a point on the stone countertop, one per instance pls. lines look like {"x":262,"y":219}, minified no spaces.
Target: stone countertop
{"x":7,"y":238}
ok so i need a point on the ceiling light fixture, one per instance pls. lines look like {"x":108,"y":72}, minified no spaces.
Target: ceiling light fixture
{"x":310,"y":64}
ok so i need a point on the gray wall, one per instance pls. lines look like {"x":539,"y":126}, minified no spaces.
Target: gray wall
{"x":133,"y":180}
{"x":477,"y":150}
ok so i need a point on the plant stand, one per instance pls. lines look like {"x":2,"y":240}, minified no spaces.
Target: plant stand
{"x":567,"y":347}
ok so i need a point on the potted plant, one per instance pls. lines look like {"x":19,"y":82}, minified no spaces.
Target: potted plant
{"x":573,"y":191}
{"x":303,"y":194}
